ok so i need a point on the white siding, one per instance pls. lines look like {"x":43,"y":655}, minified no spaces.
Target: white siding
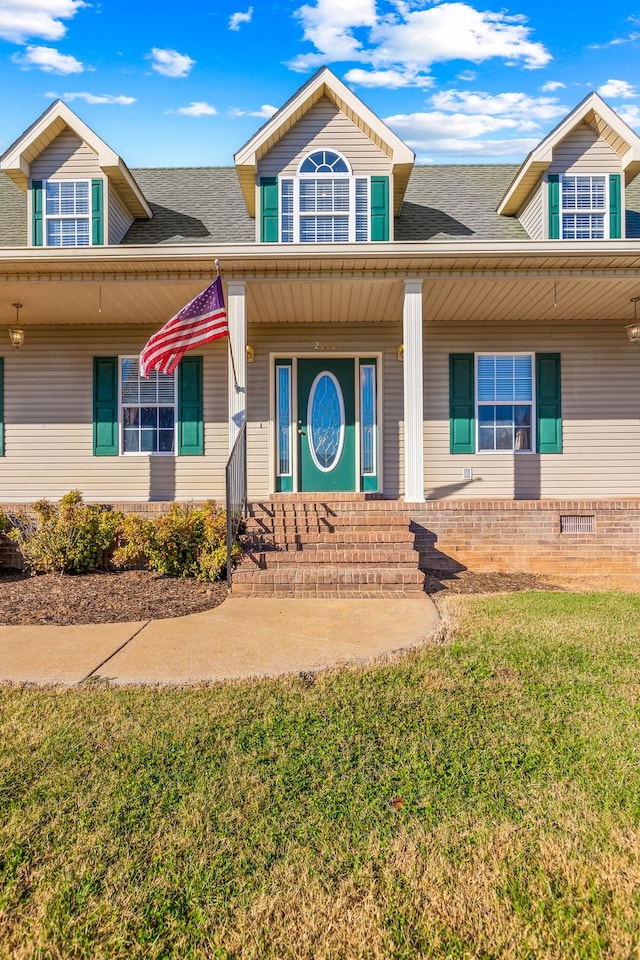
{"x":119,"y":217}
{"x":600,"y":406}
{"x":289,"y":340}
{"x":531,"y":216}
{"x":67,"y":158}
{"x":49,"y":433}
{"x":582,"y":151}
{"x":323,"y":127}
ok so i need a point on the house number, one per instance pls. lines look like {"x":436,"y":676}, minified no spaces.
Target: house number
{"x":324,"y":346}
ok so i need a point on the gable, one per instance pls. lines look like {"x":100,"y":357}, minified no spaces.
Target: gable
{"x":584,"y":151}
{"x":67,"y":157}
{"x":592,"y":133}
{"x":323,"y":85}
{"x":325,"y":126}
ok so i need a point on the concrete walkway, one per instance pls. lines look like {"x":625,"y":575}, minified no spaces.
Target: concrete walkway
{"x":241,"y":638}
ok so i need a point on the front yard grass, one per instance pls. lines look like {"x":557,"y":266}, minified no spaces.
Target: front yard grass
{"x":480,"y":798}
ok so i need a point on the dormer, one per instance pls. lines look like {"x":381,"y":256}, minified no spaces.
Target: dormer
{"x":324,"y":169}
{"x":79,"y":192}
{"x":572,"y":186}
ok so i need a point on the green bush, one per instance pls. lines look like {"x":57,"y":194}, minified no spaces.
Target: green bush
{"x":78,"y":538}
{"x":72,"y":538}
{"x":185,"y":542}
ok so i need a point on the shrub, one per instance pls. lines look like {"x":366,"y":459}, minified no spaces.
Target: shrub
{"x":72,"y":538}
{"x":78,"y":538}
{"x":185,"y":542}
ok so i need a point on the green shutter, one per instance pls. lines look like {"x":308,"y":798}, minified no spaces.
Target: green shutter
{"x":97,"y":213}
{"x":548,"y":403}
{"x":462,"y":437}
{"x":615,"y":211}
{"x":1,"y":406}
{"x":37,"y":208}
{"x":105,"y":406}
{"x":554,"y":206}
{"x":269,"y":210}
{"x":190,"y":425}
{"x":379,"y":201}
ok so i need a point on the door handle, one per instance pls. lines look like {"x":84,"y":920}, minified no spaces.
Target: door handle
{"x":300,"y":430}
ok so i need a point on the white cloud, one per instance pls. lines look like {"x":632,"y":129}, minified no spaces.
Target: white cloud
{"x":453,"y":150}
{"x":468,"y":76}
{"x":265,"y":111}
{"x":389,"y":79}
{"x":170,"y":63}
{"x":416,"y":127}
{"x":412,"y":40}
{"x":97,"y":98}
{"x":197,"y":108}
{"x":237,"y":18}
{"x":552,"y":85}
{"x":328,"y":26}
{"x":515,"y":106}
{"x":630,"y":114}
{"x":48,"y":60}
{"x":23,"y":19}
{"x":617,"y":88}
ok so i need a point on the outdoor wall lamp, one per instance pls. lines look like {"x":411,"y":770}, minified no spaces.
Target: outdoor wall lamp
{"x":16,"y":334}
{"x":251,"y":354}
{"x":633,"y":329}
{"x":400,"y":353}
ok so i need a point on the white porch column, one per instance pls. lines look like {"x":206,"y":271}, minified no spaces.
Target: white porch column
{"x":413,"y":392}
{"x":236,"y":312}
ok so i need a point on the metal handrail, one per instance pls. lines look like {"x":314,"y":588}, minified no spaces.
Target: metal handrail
{"x":236,"y":492}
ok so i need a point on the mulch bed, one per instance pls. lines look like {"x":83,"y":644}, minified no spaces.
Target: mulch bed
{"x":102,"y":597}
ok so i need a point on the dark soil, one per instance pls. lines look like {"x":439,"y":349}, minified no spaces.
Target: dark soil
{"x":102,"y":597}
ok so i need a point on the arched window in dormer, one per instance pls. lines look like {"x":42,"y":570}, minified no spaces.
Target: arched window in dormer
{"x":326,"y":203}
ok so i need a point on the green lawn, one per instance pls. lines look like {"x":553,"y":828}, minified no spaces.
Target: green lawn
{"x":478,"y":799}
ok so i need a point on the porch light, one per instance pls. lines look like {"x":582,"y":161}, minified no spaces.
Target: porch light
{"x":16,"y":334}
{"x":633,"y":329}
{"x":251,"y":354}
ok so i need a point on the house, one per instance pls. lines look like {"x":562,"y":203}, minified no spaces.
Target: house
{"x":441,"y":345}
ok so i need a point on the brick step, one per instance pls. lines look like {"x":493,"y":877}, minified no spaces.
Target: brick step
{"x":339,"y":591}
{"x":342,"y":540}
{"x":383,"y":557}
{"x":328,"y":575}
{"x":328,"y":524}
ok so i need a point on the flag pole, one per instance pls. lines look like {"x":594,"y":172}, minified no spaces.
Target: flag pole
{"x":233,"y":362}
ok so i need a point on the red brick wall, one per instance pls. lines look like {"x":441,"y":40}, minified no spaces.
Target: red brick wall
{"x":525,"y":536}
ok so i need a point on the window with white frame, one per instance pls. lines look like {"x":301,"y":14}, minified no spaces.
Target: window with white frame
{"x":324,"y":203}
{"x":67,"y":213}
{"x":504,"y":402}
{"x":584,"y":207}
{"x":147,"y":409}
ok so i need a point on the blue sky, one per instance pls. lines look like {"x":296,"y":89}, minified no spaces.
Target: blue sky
{"x":186,"y":84}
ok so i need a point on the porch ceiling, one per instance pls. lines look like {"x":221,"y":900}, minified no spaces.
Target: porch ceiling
{"x":460,"y":284}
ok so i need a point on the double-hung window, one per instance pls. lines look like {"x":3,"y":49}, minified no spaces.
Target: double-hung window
{"x":324,"y":203}
{"x":147,"y":409}
{"x":67,"y":213}
{"x":504,"y":402}
{"x":584,"y":207}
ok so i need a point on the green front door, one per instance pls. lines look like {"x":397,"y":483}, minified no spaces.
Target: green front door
{"x":326,"y":424}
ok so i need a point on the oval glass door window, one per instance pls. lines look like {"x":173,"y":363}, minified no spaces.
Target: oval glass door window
{"x":325,"y":421}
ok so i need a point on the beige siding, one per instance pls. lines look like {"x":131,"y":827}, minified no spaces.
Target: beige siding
{"x":532,"y":214}
{"x":324,"y":126}
{"x":68,"y":158}
{"x":289,"y":340}
{"x":119,"y":217}
{"x":49,"y":433}
{"x":584,"y":152}
{"x":601,"y":415}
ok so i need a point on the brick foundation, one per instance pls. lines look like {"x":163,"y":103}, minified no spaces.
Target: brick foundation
{"x":525,"y":536}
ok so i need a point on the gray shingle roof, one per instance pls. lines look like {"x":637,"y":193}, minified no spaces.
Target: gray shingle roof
{"x":194,"y":205}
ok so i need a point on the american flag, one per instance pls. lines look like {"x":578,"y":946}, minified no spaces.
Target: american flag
{"x":203,"y":319}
